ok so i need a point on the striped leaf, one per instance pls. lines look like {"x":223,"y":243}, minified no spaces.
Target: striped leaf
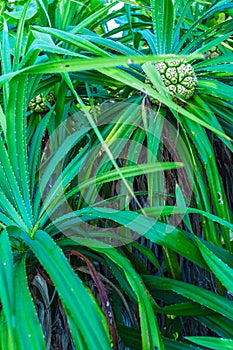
{"x":163,"y":20}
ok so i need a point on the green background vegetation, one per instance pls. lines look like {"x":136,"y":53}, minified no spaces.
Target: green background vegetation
{"x":70,"y":85}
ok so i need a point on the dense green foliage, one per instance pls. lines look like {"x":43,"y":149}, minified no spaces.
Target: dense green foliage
{"x":115,"y":175}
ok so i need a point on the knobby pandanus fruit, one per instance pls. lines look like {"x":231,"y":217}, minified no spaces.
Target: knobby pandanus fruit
{"x":38,"y":104}
{"x":178,"y":77}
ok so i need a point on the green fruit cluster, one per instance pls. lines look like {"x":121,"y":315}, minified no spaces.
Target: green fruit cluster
{"x":39,"y":103}
{"x":218,"y":18}
{"x":178,"y":77}
{"x":213,"y":52}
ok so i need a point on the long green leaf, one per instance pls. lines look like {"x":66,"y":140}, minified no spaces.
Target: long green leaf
{"x":14,"y":195}
{"x":28,"y":330}
{"x":129,"y":80}
{"x":56,"y":158}
{"x":128,"y":171}
{"x":207,"y":157}
{"x":199,"y":295}
{"x":163,"y":18}
{"x":76,"y":40}
{"x":212,"y":343}
{"x":19,"y":37}
{"x":157,"y":232}
{"x":168,"y":210}
{"x":7,"y":287}
{"x":151,"y":337}
{"x":16,"y":142}
{"x":85,"y":315}
{"x":6,"y":60}
{"x":221,"y":270}
{"x":219,"y":324}
{"x":35,"y":147}
{"x":10,"y":211}
{"x":72,"y":65}
{"x":92,"y":18}
{"x":216,"y":88}
{"x":219,"y":6}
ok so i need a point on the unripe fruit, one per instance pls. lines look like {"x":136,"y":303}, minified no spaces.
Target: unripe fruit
{"x":178,"y":77}
{"x":38,"y":104}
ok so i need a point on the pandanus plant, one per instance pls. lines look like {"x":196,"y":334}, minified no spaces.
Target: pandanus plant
{"x":26,"y":229}
{"x":56,"y":231}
